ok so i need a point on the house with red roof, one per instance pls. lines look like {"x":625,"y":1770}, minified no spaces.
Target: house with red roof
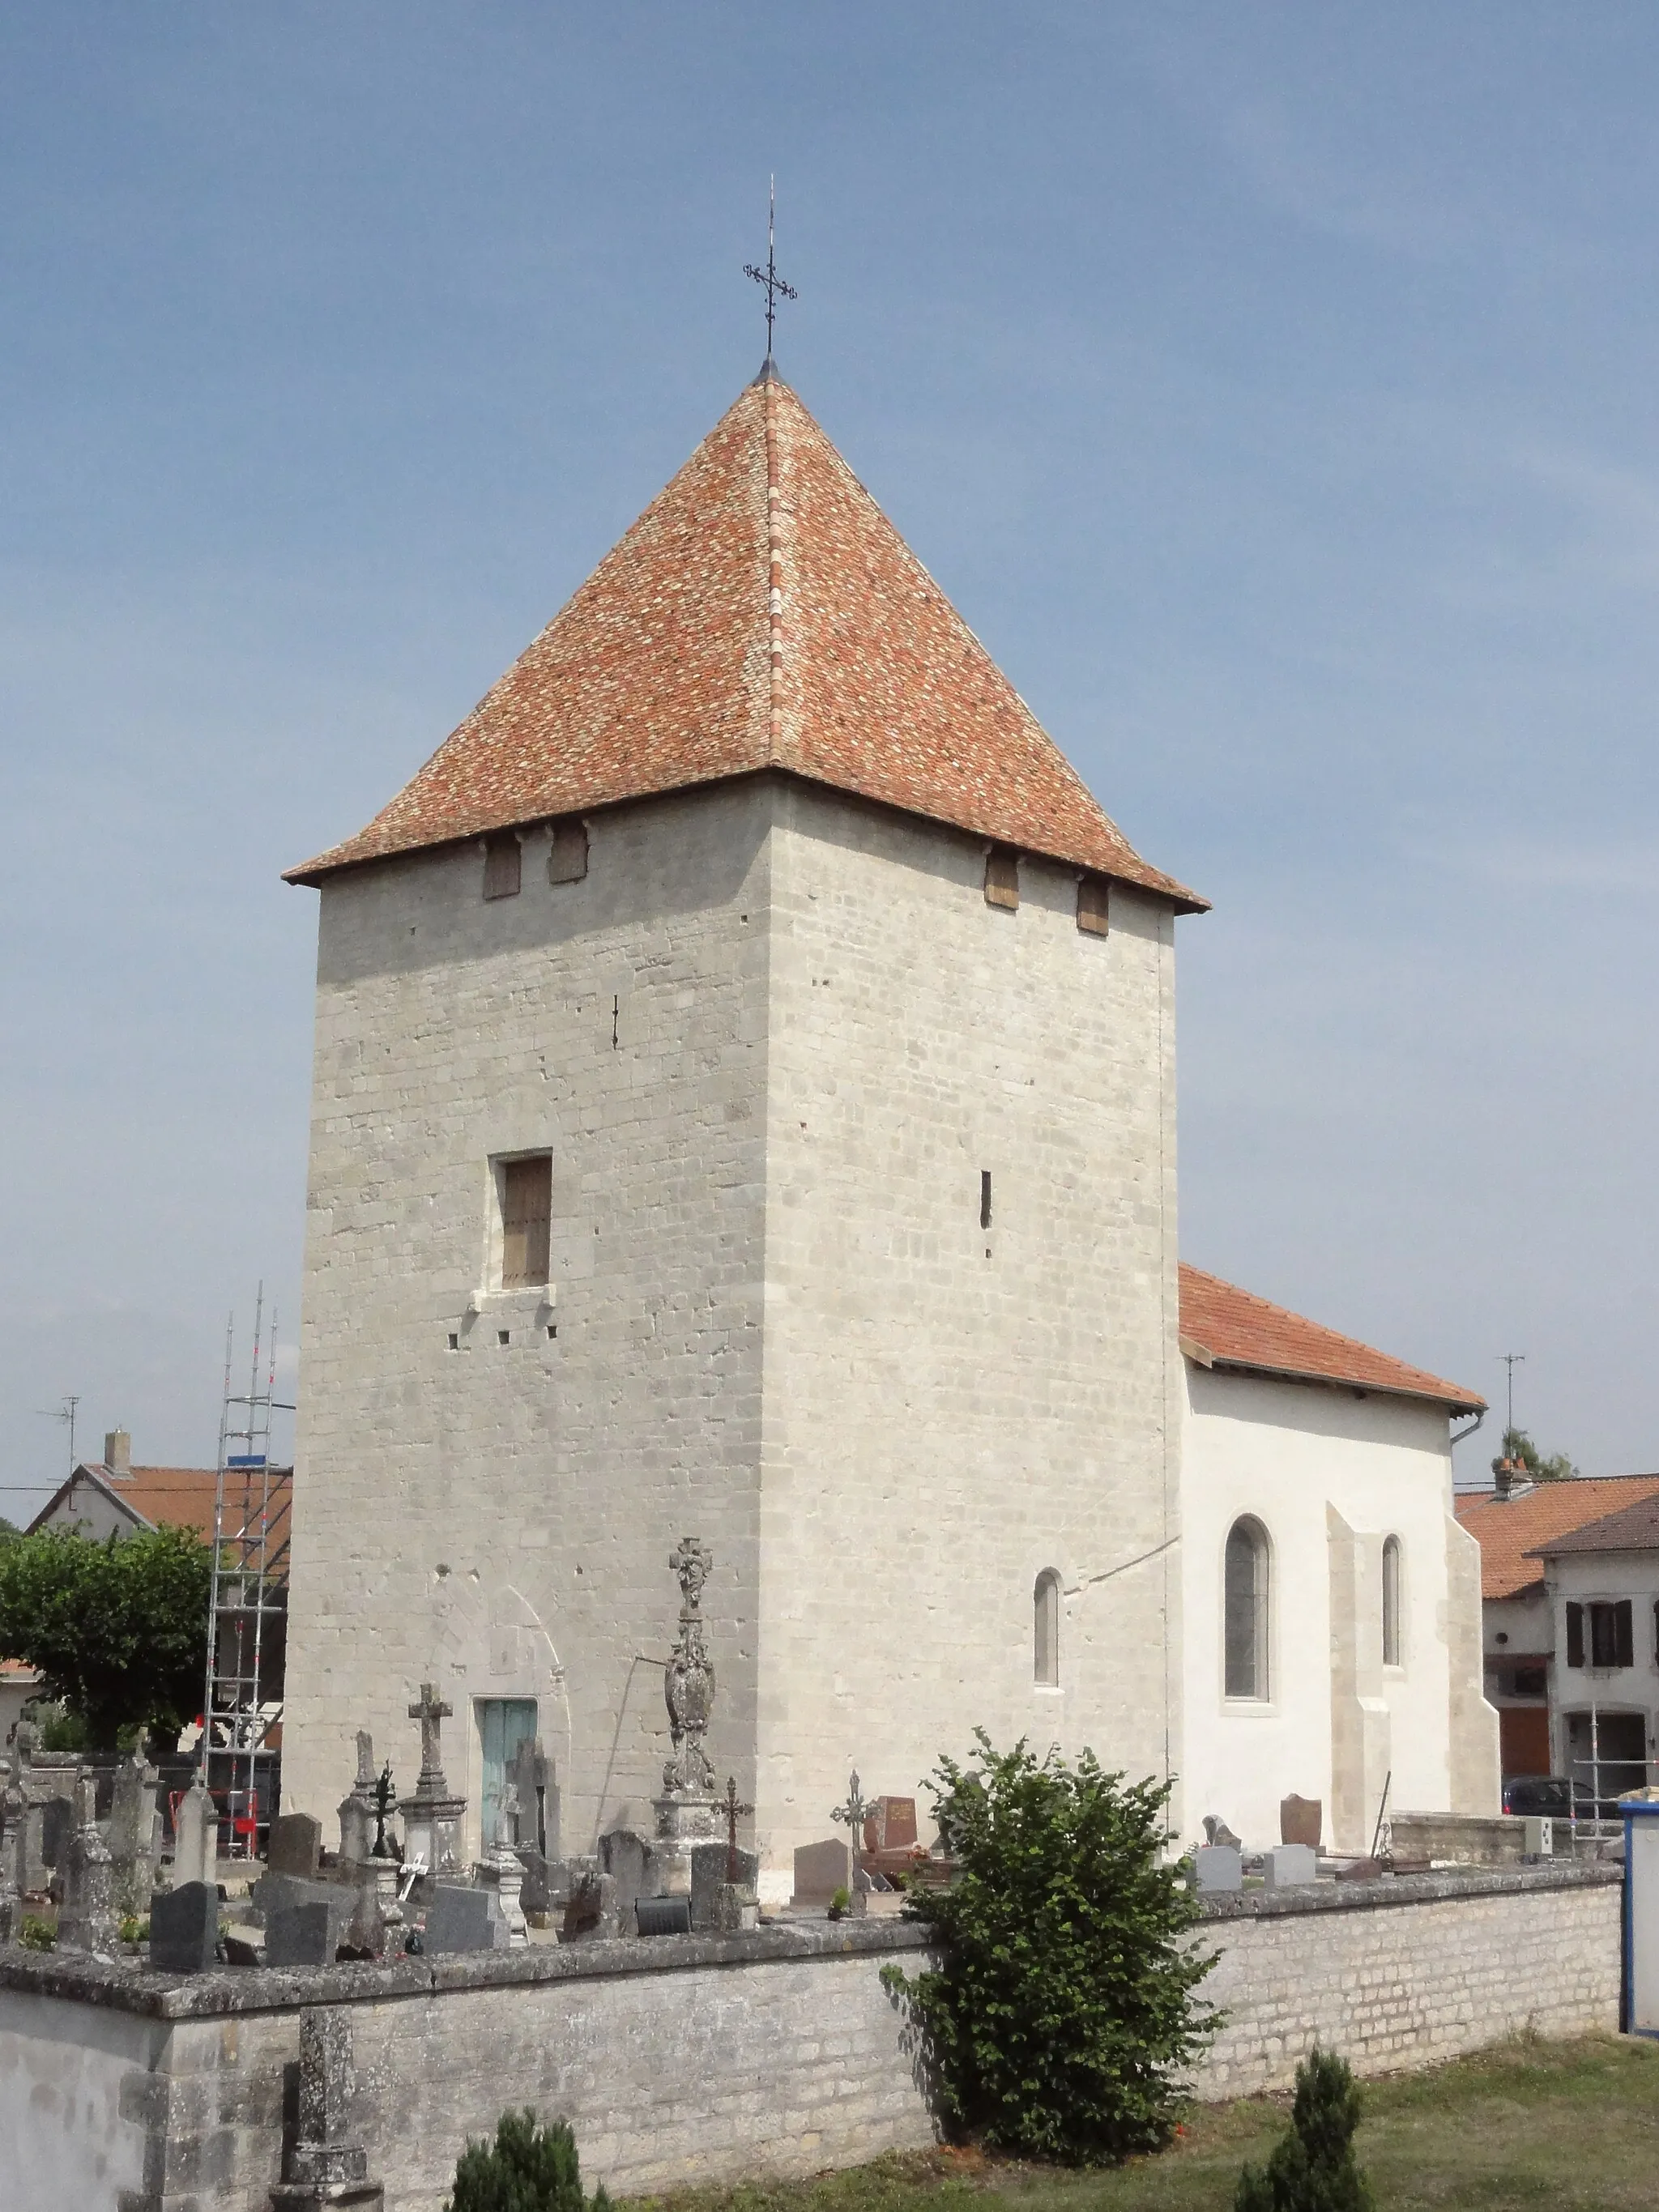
{"x":744,"y":1108}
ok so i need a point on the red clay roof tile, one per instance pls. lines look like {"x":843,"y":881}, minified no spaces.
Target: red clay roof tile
{"x":1509,"y":1529}
{"x":762,"y":613}
{"x":1231,"y":1327}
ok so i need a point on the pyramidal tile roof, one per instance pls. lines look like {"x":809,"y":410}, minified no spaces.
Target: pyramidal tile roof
{"x":1222,"y":1326}
{"x":762,"y":613}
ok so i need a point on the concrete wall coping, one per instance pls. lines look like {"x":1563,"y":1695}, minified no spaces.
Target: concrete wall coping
{"x":126,"y":1986}
{"x":1450,"y":1887}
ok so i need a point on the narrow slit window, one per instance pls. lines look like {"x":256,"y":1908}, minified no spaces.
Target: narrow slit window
{"x":1245,"y":1611}
{"x":985,"y":1198}
{"x":1045,"y":1631}
{"x":1002,"y":880}
{"x":526,"y":1188}
{"x":503,"y":865}
{"x":1093,"y":906}
{"x":1391,"y":1602}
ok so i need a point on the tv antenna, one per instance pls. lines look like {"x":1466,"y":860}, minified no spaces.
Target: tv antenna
{"x":65,"y":1413}
{"x":1511,"y":1361}
{"x":768,"y":278}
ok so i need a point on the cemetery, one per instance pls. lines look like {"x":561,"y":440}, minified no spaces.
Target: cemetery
{"x":337,"y":2028}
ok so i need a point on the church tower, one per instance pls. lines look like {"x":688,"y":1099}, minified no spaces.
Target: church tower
{"x":744,"y":1108}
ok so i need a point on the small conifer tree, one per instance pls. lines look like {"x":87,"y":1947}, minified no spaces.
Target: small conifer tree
{"x":525,"y":2169}
{"x":1313,"y":2169}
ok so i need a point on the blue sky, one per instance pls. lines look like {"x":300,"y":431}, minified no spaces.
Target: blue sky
{"x":1270,"y":386}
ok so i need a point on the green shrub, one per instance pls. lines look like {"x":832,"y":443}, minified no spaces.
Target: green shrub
{"x":1063,"y":2008}
{"x":525,"y":2169}
{"x":34,"y":1935}
{"x":1312,"y":2169}
{"x":841,"y":1904}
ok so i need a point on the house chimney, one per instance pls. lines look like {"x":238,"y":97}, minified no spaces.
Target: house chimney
{"x":1502,"y":1478}
{"x":117,"y":1452}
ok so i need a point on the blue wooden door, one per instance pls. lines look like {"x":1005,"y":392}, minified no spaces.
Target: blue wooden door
{"x":502,"y":1723}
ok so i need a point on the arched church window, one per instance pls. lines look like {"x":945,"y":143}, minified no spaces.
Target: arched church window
{"x":1391,"y":1602}
{"x":1045,"y":1645}
{"x":1244,"y":1638}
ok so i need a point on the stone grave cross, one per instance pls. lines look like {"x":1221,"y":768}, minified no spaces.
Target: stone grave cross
{"x":733,"y":1809}
{"x":432,"y":1712}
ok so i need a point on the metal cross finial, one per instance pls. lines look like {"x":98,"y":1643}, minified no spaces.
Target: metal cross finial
{"x":769,"y":278}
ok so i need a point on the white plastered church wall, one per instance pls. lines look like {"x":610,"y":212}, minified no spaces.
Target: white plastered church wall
{"x":1329,"y":1475}
{"x":951,"y":1409}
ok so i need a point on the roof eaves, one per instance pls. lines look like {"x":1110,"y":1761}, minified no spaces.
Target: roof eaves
{"x":1455,"y":1402}
{"x":337,"y":860}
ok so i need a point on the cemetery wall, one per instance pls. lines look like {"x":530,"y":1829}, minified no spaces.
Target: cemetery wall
{"x":709,"y":2059}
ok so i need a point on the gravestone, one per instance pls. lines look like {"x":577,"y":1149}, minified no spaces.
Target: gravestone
{"x":184,"y":1929}
{"x":195,"y":1836}
{"x":502,"y":1872}
{"x":275,"y":1894}
{"x":1301,"y":1819}
{"x":463,"y":1919}
{"x":321,"y":2165}
{"x":545,"y":1887}
{"x":591,"y":1908}
{"x":86,"y":1919}
{"x":1288,"y":1866}
{"x":300,"y":1935}
{"x":1218,"y":1868}
{"x":356,"y":1807}
{"x":11,"y":1854}
{"x":709,"y":1863}
{"x":135,"y":1835}
{"x":820,"y":1871}
{"x":57,"y":1826}
{"x":433,"y":1817}
{"x":296,"y":1846}
{"x":535,"y":1779}
{"x":635,"y":1867}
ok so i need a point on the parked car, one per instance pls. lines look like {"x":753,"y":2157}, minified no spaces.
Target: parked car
{"x":1545,"y":1796}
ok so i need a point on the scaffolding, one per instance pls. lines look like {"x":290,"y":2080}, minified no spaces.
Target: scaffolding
{"x":247,"y":1629}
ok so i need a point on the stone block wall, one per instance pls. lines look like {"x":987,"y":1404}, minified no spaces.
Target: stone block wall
{"x":1428,"y":1967}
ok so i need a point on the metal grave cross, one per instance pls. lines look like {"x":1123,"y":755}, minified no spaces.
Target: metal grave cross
{"x":730,"y":1806}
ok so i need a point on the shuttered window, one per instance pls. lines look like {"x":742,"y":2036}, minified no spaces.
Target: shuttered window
{"x":527,"y":1188}
{"x":1575,"y":1636}
{"x":503,"y":865}
{"x":1002,"y":879}
{"x":1092,"y":905}
{"x":1611,"y":1634}
{"x":567,"y":860}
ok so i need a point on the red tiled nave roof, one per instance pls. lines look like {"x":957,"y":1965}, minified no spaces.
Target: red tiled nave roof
{"x":1226,"y":1326}
{"x":763,"y":612}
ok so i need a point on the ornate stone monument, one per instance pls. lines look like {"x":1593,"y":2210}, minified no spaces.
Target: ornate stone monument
{"x":11,"y":1855}
{"x":432,"y":1816}
{"x":686,"y":1811}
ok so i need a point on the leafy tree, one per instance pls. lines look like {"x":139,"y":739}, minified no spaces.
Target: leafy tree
{"x":117,"y":1630}
{"x":1312,"y":2168}
{"x":525,"y":2169}
{"x":1520,"y":1450}
{"x":1063,"y":2007}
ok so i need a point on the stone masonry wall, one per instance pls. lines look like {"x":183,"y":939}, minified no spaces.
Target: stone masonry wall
{"x":1405,"y":1985}
{"x":950,"y":1408}
{"x":713,"y":2058}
